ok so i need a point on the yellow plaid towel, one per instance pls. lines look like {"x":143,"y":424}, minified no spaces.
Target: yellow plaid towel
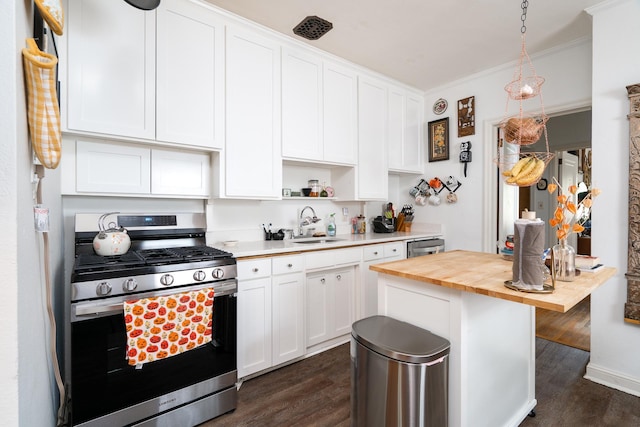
{"x":43,"y":112}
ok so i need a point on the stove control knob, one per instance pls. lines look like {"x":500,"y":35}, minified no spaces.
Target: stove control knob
{"x":129,"y":285}
{"x":166,"y":279}
{"x":103,"y":289}
{"x":199,"y":276}
{"x":218,"y":273}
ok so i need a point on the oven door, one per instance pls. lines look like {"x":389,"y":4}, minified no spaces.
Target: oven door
{"x":106,"y":390}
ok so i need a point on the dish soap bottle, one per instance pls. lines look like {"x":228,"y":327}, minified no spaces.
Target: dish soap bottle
{"x":331,"y":226}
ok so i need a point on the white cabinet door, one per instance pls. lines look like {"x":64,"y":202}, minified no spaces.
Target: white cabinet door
{"x":253,"y":166}
{"x":254,"y":326}
{"x":372,"y":140}
{"x":190,"y":93}
{"x":396,"y":127}
{"x":180,"y":173}
{"x":301,"y":105}
{"x":288,"y":317}
{"x":112,"y":168}
{"x":111,"y":68}
{"x":340,"y":118}
{"x":405,"y":131}
{"x":318,"y":309}
{"x":330,"y":305}
{"x":343,"y":301}
{"x":413,"y":144}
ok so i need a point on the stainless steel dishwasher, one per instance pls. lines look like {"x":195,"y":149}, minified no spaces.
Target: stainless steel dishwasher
{"x":428,"y":246}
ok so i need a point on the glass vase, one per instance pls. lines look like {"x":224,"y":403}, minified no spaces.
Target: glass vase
{"x":564,"y":261}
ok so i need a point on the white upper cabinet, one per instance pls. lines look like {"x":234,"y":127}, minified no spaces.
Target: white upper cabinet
{"x":252,"y":162}
{"x":178,"y":172}
{"x":405,"y":131}
{"x":301,"y":105}
{"x":372,"y":177}
{"x":121,"y":169}
{"x":156,"y":75}
{"x":111,"y":168}
{"x":319,"y":105}
{"x":340,"y":112}
{"x":190,"y":74}
{"x":111,"y":68}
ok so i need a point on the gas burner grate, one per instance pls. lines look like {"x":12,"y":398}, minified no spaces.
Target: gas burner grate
{"x":91,"y":262}
{"x":200,"y":253}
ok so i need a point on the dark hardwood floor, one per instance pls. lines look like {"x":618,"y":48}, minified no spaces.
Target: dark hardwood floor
{"x":315,"y":392}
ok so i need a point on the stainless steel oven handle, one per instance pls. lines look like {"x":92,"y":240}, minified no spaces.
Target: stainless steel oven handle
{"x":92,"y":310}
{"x":88,"y":310}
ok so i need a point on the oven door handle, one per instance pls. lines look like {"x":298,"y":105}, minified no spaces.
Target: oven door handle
{"x":93,"y":310}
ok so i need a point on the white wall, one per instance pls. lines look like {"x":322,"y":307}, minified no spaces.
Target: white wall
{"x":567,"y":87}
{"x":27,"y":393}
{"x":8,"y":207}
{"x":615,"y":345}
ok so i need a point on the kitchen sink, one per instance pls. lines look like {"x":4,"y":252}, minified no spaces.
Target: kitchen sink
{"x":318,"y":240}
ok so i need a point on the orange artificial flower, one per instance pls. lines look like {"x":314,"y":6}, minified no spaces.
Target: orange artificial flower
{"x":565,"y":215}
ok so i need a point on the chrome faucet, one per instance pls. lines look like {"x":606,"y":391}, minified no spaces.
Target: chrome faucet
{"x":306,"y":220}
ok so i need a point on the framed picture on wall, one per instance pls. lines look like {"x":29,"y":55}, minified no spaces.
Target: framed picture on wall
{"x":439,"y":140}
{"x":466,"y":116}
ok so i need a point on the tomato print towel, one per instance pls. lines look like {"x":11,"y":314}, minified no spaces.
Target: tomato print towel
{"x":161,"y":327}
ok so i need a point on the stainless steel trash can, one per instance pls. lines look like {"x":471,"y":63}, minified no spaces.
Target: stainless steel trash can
{"x":399,"y":374}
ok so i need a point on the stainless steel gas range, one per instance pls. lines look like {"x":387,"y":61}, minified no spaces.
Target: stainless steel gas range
{"x":168,"y":257}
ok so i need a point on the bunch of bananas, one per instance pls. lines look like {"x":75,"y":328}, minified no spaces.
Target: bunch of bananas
{"x":525,"y":172}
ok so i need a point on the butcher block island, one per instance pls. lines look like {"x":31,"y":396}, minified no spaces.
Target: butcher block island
{"x":460,"y":295}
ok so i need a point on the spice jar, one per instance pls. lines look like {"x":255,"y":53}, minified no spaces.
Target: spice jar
{"x":314,"y":184}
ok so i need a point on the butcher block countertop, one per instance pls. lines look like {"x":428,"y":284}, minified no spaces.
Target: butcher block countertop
{"x":485,"y":274}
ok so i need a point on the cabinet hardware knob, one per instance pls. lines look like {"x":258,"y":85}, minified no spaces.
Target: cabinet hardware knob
{"x":289,"y":265}
{"x":255,"y":270}
{"x":322,"y":280}
{"x":375,"y":253}
{"x":338,"y":277}
{"x":395,"y":250}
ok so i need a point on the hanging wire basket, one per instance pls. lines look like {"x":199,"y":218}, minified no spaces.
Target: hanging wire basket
{"x":507,"y":162}
{"x":523,"y":130}
{"x":517,"y":167}
{"x":524,"y":87}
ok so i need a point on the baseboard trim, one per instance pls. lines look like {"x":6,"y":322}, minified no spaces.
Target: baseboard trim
{"x":612,"y":379}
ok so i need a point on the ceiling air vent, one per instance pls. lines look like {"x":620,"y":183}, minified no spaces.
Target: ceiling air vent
{"x":312,"y":28}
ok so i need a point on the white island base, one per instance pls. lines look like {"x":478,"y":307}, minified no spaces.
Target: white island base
{"x":492,"y":359}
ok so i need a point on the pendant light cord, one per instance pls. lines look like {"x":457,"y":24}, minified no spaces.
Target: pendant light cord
{"x":523,"y":17}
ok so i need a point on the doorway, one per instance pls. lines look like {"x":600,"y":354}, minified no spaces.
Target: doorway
{"x":569,"y":135}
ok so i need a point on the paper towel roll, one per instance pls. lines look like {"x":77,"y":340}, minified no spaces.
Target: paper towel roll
{"x":527,"y":254}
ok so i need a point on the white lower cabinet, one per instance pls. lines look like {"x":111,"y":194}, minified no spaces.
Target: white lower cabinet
{"x":254,"y":316}
{"x":375,"y":254}
{"x":270,"y":312}
{"x":288,"y":308}
{"x":330,"y":302}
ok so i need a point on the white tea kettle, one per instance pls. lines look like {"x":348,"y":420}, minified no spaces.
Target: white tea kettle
{"x":111,"y":241}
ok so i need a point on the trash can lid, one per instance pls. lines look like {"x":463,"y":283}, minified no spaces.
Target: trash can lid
{"x":399,"y":340}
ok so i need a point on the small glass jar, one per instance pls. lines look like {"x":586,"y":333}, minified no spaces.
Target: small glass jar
{"x":314,"y":184}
